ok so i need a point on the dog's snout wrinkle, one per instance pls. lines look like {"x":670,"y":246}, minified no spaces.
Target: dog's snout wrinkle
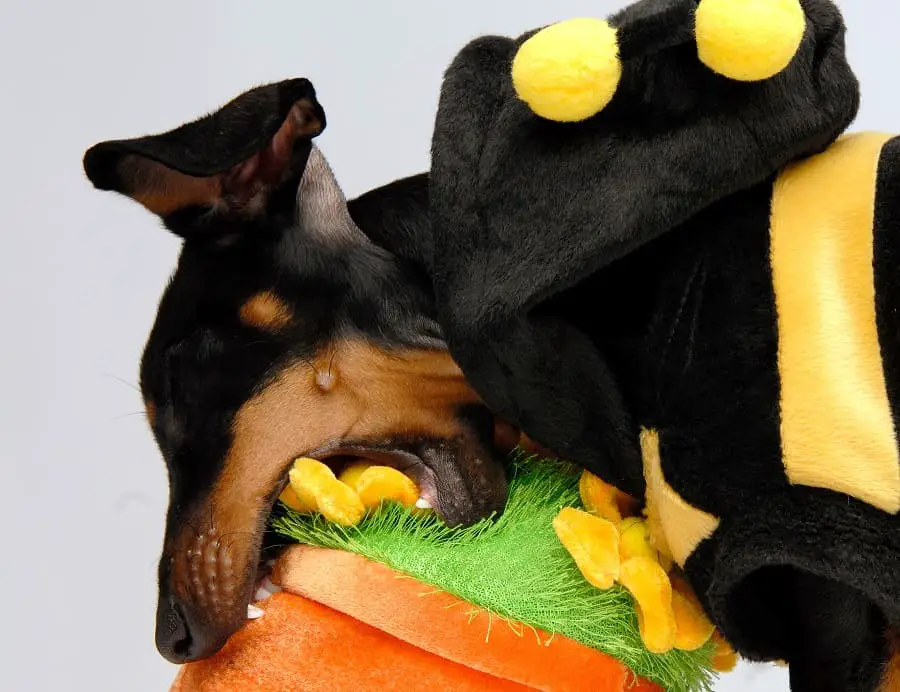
{"x":204,"y":573}
{"x":204,"y":589}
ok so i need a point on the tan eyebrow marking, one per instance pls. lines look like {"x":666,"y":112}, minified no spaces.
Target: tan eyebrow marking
{"x":267,"y":312}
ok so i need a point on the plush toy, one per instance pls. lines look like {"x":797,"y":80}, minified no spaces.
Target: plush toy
{"x":503,"y":597}
{"x":606,"y":546}
{"x":655,"y":250}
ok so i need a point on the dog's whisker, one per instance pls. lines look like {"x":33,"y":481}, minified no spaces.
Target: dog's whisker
{"x":123,"y":381}
{"x":232,"y":535}
{"x":130,"y":415}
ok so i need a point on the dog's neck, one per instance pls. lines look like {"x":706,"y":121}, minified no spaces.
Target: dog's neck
{"x":322,"y":213}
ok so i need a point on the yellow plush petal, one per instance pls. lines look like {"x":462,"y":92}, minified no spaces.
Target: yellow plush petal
{"x":340,"y":503}
{"x":289,"y":497}
{"x":378,"y":484}
{"x":692,"y":627}
{"x":601,"y":498}
{"x":634,"y":540}
{"x":656,"y":536}
{"x":652,"y":591}
{"x":316,"y":486}
{"x":312,"y":467}
{"x":725,"y":658}
{"x":350,"y":475}
{"x":592,"y":542}
{"x":307,"y":479}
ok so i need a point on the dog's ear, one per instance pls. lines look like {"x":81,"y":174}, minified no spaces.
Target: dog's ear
{"x":223,"y":172}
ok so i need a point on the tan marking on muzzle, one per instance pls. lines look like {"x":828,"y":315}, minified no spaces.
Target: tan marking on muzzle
{"x":377,"y":395}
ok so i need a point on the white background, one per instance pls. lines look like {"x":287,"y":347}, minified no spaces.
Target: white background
{"x":83,"y":490}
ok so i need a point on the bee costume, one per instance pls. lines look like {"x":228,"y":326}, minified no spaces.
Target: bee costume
{"x":654,"y":248}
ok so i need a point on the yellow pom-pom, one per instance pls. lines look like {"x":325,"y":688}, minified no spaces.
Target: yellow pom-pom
{"x":568,"y":71}
{"x":749,"y":40}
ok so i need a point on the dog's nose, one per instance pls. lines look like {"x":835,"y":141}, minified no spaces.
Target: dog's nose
{"x":177,"y":639}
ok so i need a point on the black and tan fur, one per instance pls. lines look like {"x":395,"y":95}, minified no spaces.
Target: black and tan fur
{"x":284,"y":332}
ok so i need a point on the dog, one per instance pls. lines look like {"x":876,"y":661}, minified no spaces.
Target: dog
{"x":284,"y":332}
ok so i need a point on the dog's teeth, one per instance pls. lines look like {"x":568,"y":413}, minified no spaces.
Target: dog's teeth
{"x":269,"y":586}
{"x":422,"y":503}
{"x":253,"y":612}
{"x":262,"y":593}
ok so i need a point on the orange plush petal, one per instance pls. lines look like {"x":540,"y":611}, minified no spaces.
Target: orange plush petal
{"x":725,"y":657}
{"x":327,"y":633}
{"x":599,"y":497}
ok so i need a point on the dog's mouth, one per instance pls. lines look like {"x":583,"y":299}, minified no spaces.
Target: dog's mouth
{"x":453,"y":501}
{"x":340,"y":457}
{"x":210,"y":587}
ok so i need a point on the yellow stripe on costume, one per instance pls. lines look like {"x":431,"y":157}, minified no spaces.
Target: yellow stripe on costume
{"x":837,"y":431}
{"x":676,"y":527}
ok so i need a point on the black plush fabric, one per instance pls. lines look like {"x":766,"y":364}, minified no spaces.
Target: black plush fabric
{"x":599,"y":277}
{"x":523,"y":210}
{"x":803,"y":572}
{"x":887,"y":269}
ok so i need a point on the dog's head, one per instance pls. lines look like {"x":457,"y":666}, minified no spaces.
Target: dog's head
{"x":284,"y":332}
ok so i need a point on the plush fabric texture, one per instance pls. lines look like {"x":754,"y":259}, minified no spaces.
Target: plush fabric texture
{"x":641,"y":275}
{"x":300,"y":645}
{"x":570,"y":70}
{"x":837,"y":429}
{"x":345,"y":623}
{"x":522,"y":209}
{"x":749,"y":40}
{"x":794,"y":550}
{"x":514,"y":567}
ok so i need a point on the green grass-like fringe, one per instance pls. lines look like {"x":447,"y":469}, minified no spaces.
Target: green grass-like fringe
{"x":513,"y":567}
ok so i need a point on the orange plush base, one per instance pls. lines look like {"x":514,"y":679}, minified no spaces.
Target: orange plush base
{"x":347,"y":624}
